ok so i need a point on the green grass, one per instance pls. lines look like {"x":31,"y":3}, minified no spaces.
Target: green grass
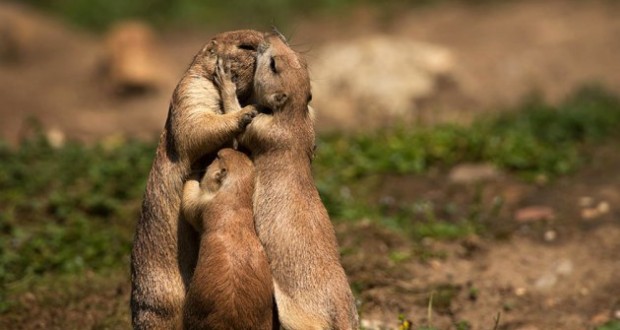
{"x":68,"y":210}
{"x":533,"y":139}
{"x":72,"y":210}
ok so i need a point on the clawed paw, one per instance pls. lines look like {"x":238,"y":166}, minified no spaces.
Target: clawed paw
{"x":223,"y":76}
{"x":246,"y":118}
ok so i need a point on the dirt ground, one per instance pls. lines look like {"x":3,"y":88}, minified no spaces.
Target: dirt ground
{"x":560,"y":273}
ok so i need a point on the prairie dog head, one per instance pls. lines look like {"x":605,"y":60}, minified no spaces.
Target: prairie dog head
{"x":240,"y":48}
{"x":281,"y":79}
{"x":230,"y":169}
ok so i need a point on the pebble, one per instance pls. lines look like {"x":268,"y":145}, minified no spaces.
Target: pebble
{"x":564,"y":267}
{"x":546,"y":281}
{"x":472,"y":173}
{"x":550,"y":235}
{"x":55,"y":137}
{"x":589,"y":213}
{"x":603,"y":207}
{"x":600,"y":209}
{"x":534,"y":213}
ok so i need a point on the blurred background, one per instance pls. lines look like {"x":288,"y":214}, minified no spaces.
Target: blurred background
{"x":467,"y":152}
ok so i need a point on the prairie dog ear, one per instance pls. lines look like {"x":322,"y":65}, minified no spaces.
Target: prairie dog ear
{"x":209,"y":48}
{"x":220,"y":175}
{"x":278,"y":99}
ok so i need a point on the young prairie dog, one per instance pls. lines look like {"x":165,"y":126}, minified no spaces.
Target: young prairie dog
{"x":310,"y":285}
{"x":232,"y":286}
{"x":165,"y":247}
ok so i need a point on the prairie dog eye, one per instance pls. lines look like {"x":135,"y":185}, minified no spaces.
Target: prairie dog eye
{"x":272,"y":65}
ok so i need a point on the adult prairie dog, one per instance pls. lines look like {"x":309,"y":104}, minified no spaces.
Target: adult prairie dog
{"x":165,"y":247}
{"x":310,"y":285}
{"x":232,"y":286}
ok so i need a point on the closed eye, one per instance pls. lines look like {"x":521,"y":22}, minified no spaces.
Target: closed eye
{"x":272,"y":65}
{"x":247,"y":47}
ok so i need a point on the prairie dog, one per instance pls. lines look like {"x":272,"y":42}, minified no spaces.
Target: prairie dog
{"x":232,"y":286}
{"x":310,"y":285}
{"x":165,"y":247}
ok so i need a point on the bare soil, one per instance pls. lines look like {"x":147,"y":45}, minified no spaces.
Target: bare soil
{"x":535,"y":280}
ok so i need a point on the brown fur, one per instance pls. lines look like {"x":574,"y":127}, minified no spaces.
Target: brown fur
{"x":311,"y":287}
{"x":232,"y":286}
{"x":165,"y":248}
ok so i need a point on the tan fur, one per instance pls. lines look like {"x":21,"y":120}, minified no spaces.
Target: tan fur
{"x":311,"y":288}
{"x":165,"y":248}
{"x":232,"y":285}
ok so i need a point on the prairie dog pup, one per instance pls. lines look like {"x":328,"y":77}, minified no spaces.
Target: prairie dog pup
{"x":310,"y":285}
{"x":232,"y":286}
{"x":165,"y":248}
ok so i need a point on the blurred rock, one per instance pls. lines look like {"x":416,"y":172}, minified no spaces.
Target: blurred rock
{"x":19,"y":31}
{"x":473,"y":173}
{"x":550,"y":235}
{"x":14,"y":38}
{"x":132,"y":62}
{"x":564,"y":267}
{"x":377,"y":78}
{"x":601,"y":208}
{"x":55,"y":137}
{"x":534,"y":213}
{"x":547,"y":281}
{"x":561,"y":269}
{"x":519,"y":292}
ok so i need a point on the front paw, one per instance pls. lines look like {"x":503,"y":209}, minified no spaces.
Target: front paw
{"x":246,"y":118}
{"x":223,"y":76}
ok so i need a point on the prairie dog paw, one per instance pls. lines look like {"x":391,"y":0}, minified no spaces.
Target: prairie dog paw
{"x":223,"y":77}
{"x":246,"y":118}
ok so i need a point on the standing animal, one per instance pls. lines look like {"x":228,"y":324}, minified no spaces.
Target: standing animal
{"x":165,"y":247}
{"x":232,"y":286}
{"x":310,"y":285}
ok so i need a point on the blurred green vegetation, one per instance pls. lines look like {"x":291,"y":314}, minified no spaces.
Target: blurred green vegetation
{"x":611,"y":325}
{"x":67,"y":210}
{"x":535,"y":141}
{"x":72,"y":209}
{"x":97,"y":14}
